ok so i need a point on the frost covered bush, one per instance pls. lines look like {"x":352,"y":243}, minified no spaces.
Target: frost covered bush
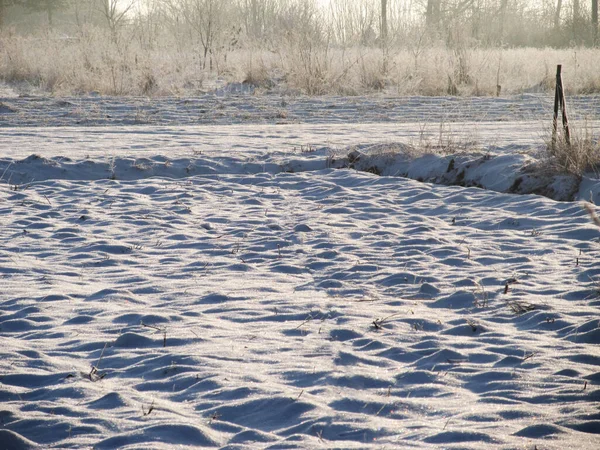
{"x":578,"y":156}
{"x":125,"y":63}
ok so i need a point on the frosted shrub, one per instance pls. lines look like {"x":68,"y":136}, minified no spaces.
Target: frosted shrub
{"x":94,"y":60}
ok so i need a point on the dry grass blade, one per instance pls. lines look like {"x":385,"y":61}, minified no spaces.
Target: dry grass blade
{"x":379,"y":322}
{"x":94,"y":374}
{"x":578,"y":156}
{"x":590,"y":210}
{"x":162,"y":330}
{"x":150,"y":409}
{"x":520,"y":306}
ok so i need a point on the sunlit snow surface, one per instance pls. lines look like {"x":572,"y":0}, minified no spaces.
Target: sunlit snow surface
{"x":229,"y":286}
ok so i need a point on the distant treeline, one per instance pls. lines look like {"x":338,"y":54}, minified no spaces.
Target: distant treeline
{"x":341,"y":22}
{"x":342,"y":47}
{"x":538,"y":23}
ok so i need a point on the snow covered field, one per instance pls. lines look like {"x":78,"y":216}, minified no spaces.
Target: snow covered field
{"x":230,"y":282}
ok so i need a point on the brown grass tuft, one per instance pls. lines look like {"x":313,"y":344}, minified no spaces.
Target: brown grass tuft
{"x":579,"y":156}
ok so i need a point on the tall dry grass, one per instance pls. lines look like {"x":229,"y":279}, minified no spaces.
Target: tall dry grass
{"x":95,"y":61}
{"x":578,"y":156}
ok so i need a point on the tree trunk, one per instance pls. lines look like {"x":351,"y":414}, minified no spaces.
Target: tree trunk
{"x":254,"y":19}
{"x":595,"y":21}
{"x":432,"y":15}
{"x":557,"y":15}
{"x":428,"y":12}
{"x":503,"y":6}
{"x":575,"y":24}
{"x":384,"y":26}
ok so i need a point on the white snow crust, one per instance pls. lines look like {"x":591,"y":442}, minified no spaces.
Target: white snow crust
{"x":245,"y":286}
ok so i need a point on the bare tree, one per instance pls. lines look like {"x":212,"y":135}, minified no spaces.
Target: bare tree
{"x":84,"y":12}
{"x":432,"y":14}
{"x":148,"y":22}
{"x":115,"y":13}
{"x":595,"y":21}
{"x":384,"y":24}
{"x":557,"y":15}
{"x":576,"y":18}
{"x":254,"y":17}
{"x":354,"y":21}
{"x":503,"y":6}
{"x":47,"y":6}
{"x":208,"y":20}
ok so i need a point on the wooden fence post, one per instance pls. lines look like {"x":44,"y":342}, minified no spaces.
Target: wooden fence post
{"x":560,"y":103}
